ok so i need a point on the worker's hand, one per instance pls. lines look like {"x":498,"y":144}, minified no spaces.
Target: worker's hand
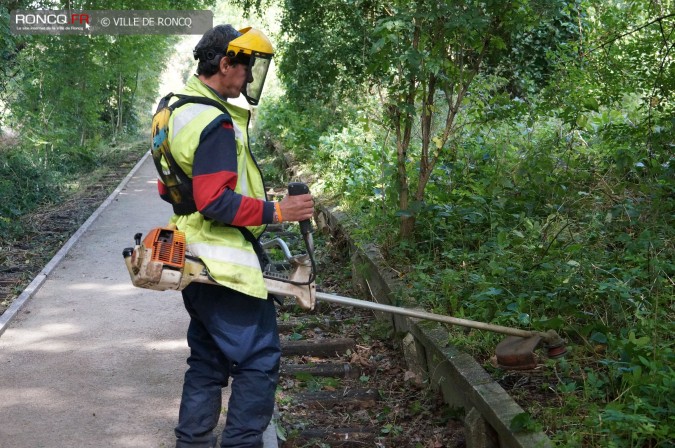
{"x":297,"y":208}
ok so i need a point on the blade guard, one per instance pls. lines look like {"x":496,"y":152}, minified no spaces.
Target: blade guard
{"x":301,"y":269}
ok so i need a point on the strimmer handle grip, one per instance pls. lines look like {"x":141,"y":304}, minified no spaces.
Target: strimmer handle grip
{"x":294,"y":189}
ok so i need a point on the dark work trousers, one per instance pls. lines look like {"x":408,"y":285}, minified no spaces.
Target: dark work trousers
{"x":231,"y":335}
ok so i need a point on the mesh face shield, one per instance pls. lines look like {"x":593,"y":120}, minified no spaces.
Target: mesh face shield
{"x":257,"y":72}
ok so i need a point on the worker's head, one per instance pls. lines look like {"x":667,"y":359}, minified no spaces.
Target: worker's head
{"x":239,"y":60}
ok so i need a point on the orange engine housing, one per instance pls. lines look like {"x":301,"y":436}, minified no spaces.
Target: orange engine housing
{"x":167,"y":245}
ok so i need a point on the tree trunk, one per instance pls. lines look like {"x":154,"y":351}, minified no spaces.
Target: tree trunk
{"x":407,"y":223}
{"x":120,"y":87}
{"x":405,"y":231}
{"x":83,"y":123}
{"x":133,"y":93}
{"x":404,"y":117}
{"x":427,"y":161}
{"x":407,"y":227}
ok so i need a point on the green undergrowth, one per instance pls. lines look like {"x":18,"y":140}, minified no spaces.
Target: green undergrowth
{"x":33,"y":175}
{"x":536,"y":225}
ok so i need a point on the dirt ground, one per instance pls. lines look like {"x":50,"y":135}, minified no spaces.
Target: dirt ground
{"x":50,"y":226}
{"x":407,"y":413}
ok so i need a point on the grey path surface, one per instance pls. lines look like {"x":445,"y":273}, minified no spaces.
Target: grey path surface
{"x":91,"y":361}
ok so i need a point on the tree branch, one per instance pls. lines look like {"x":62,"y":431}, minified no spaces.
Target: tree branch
{"x":627,"y":33}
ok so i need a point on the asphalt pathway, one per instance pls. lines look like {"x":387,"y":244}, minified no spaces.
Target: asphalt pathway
{"x":88,"y":360}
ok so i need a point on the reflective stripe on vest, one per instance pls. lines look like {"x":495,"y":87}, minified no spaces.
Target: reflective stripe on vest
{"x":225,"y":254}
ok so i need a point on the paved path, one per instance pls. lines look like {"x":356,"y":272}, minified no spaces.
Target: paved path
{"x":91,"y":361}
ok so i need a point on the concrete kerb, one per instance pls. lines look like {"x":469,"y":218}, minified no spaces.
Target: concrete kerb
{"x":35,"y":285}
{"x":462,"y":381}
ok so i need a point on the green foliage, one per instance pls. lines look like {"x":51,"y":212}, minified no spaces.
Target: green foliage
{"x":24,"y":183}
{"x":528,"y":63}
{"x":314,"y":383}
{"x":524,"y":422}
{"x":533,"y":224}
{"x":35,"y":175}
{"x":325,"y":51}
{"x":625,"y":57}
{"x":535,"y":138}
{"x":61,"y":97}
{"x":300,"y":127}
{"x":67,"y":99}
{"x":68,"y":90}
{"x":426,"y":57}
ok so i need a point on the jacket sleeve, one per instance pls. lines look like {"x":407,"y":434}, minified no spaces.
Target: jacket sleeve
{"x":214,"y":178}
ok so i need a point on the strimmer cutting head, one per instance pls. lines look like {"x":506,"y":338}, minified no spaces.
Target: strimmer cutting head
{"x":516,"y":353}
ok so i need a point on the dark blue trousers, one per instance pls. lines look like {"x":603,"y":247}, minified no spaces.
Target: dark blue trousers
{"x":231,"y":335}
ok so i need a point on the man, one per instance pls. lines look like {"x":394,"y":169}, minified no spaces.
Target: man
{"x":233,"y":331}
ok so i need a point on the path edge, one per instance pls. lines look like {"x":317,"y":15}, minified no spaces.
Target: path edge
{"x":37,"y":282}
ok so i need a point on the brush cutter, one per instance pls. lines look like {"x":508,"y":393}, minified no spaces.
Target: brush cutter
{"x":161,"y":262}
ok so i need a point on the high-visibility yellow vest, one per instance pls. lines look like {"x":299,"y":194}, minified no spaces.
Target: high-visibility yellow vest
{"x":229,"y":258}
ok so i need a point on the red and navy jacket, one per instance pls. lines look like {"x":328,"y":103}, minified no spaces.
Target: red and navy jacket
{"x":214,"y":178}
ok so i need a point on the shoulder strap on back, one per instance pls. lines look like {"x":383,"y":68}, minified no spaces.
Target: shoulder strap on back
{"x":186,"y":204}
{"x":184,"y":99}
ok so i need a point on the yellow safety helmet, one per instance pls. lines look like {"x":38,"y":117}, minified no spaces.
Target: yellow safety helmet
{"x":254,"y":49}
